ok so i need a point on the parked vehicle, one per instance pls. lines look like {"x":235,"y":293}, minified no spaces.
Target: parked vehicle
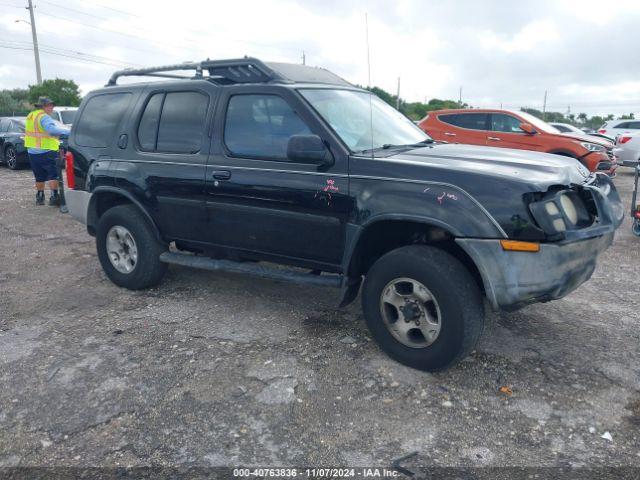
{"x":573,"y":130}
{"x":64,"y":115}
{"x":511,"y":129}
{"x":14,"y":154}
{"x":613,"y":128}
{"x":635,"y":205}
{"x":293,"y":165}
{"x":628,"y":149}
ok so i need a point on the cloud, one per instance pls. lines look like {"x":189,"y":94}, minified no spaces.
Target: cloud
{"x":499,"y":52}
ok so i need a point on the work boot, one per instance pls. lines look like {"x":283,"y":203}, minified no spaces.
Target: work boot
{"x":54,"y":199}
{"x":39,"y":197}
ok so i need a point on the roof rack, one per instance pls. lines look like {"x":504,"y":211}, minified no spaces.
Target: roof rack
{"x":243,"y":70}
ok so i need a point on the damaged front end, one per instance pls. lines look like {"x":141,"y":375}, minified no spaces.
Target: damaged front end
{"x":579,"y":224}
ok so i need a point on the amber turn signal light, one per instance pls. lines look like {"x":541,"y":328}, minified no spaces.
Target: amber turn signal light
{"x":516,"y":246}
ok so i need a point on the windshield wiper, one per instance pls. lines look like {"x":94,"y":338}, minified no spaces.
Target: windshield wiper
{"x":388,"y":146}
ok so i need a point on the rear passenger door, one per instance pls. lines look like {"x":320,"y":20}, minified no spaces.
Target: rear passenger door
{"x":467,"y":128}
{"x":164,"y":155}
{"x":260,"y":201}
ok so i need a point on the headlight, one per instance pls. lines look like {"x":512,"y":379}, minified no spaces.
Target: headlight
{"x":593,"y":147}
{"x":560,"y":211}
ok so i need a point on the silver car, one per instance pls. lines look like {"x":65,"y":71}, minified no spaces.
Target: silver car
{"x":628,"y":149}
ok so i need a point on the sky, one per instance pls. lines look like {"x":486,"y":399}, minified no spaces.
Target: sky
{"x":583,"y":53}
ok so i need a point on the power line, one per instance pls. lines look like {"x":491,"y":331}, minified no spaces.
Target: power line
{"x":75,"y":52}
{"x":114,"y":9}
{"x":75,"y":57}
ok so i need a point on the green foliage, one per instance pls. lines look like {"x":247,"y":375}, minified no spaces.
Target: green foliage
{"x":62,"y":92}
{"x":415,"y":110}
{"x":14,"y":101}
{"x":627,"y":117}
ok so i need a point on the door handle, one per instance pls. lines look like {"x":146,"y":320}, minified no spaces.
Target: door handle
{"x":450,"y":134}
{"x":495,"y":139}
{"x":222,"y":174}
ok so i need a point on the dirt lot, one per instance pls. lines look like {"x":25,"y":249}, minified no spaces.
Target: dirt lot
{"x":212,"y":369}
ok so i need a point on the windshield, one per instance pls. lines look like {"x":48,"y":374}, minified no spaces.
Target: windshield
{"x":352,"y":114}
{"x":537,"y":123}
{"x":68,"y":116}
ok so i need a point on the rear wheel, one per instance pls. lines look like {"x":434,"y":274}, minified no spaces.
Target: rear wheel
{"x":128,"y":249}
{"x":423,"y":307}
{"x":11,"y":157}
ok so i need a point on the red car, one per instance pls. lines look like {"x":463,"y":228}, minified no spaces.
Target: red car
{"x":511,"y":129}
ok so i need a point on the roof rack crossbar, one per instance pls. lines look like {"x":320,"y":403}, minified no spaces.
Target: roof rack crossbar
{"x":243,"y":70}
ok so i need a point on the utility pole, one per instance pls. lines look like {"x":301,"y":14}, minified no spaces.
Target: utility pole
{"x":544,"y":107}
{"x":398,"y":96}
{"x":35,"y":42}
{"x":460,"y":96}
{"x":304,"y":58}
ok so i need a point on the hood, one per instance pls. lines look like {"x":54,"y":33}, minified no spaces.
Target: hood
{"x":537,"y":170}
{"x":588,"y":138}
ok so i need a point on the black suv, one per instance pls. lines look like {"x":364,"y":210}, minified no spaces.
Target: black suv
{"x":246,"y":161}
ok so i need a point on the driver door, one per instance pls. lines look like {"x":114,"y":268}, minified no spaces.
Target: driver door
{"x":258,"y":200}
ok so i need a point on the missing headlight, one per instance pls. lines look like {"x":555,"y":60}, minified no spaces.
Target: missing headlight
{"x":559,"y":211}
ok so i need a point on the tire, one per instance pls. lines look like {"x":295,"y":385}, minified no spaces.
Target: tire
{"x":635,"y":228}
{"x":456,"y":302}
{"x":11,"y":158}
{"x":118,"y":226}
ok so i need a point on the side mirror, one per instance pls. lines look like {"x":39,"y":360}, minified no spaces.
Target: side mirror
{"x":528,"y":128}
{"x":308,"y":149}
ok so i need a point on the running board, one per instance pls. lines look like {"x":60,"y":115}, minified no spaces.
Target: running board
{"x":206,"y":263}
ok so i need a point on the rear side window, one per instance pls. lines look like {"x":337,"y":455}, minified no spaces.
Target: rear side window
{"x":260,"y":126}
{"x":623,"y":125}
{"x":472,"y":121}
{"x":100,"y":119}
{"x":173,"y":122}
{"x":634,"y":125}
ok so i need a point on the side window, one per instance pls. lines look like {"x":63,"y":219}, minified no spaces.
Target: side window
{"x":561,"y":128}
{"x":16,"y":127}
{"x":4,"y":124}
{"x":260,"y":126}
{"x":173,"y":122}
{"x":634,"y":125}
{"x":623,"y":125}
{"x":505,"y":123}
{"x":471,"y":121}
{"x":148,"y":127}
{"x":100,"y":118}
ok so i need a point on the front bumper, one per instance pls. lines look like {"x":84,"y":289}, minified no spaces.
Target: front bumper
{"x":515,"y":279}
{"x":601,"y":162}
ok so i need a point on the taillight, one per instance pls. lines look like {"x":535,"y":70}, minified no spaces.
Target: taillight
{"x":71,"y":178}
{"x":602,"y":130}
{"x":637,"y":213}
{"x":623,"y":139}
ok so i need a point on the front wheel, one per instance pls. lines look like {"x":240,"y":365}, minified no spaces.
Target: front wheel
{"x":128,"y":249}
{"x":423,"y":307}
{"x":11,"y":157}
{"x":635,"y":228}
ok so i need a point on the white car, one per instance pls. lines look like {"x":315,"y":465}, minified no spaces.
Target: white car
{"x":64,"y":115}
{"x":628,"y":149}
{"x":613,"y":128}
{"x":572,"y":130}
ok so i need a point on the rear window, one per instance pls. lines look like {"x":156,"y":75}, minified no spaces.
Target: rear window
{"x":100,"y":119}
{"x":472,"y":121}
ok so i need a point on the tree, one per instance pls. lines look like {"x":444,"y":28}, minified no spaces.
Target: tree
{"x":627,"y":117}
{"x":61,"y":91}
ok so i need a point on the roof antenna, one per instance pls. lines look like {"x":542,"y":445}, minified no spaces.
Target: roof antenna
{"x":366,"y":25}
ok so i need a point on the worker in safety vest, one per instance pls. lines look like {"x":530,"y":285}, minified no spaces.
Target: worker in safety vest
{"x":41,"y":139}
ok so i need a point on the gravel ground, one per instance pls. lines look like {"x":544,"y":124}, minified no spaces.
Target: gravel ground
{"x":211,"y":369}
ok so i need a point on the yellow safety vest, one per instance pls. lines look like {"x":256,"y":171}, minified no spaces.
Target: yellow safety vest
{"x":37,"y":137}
